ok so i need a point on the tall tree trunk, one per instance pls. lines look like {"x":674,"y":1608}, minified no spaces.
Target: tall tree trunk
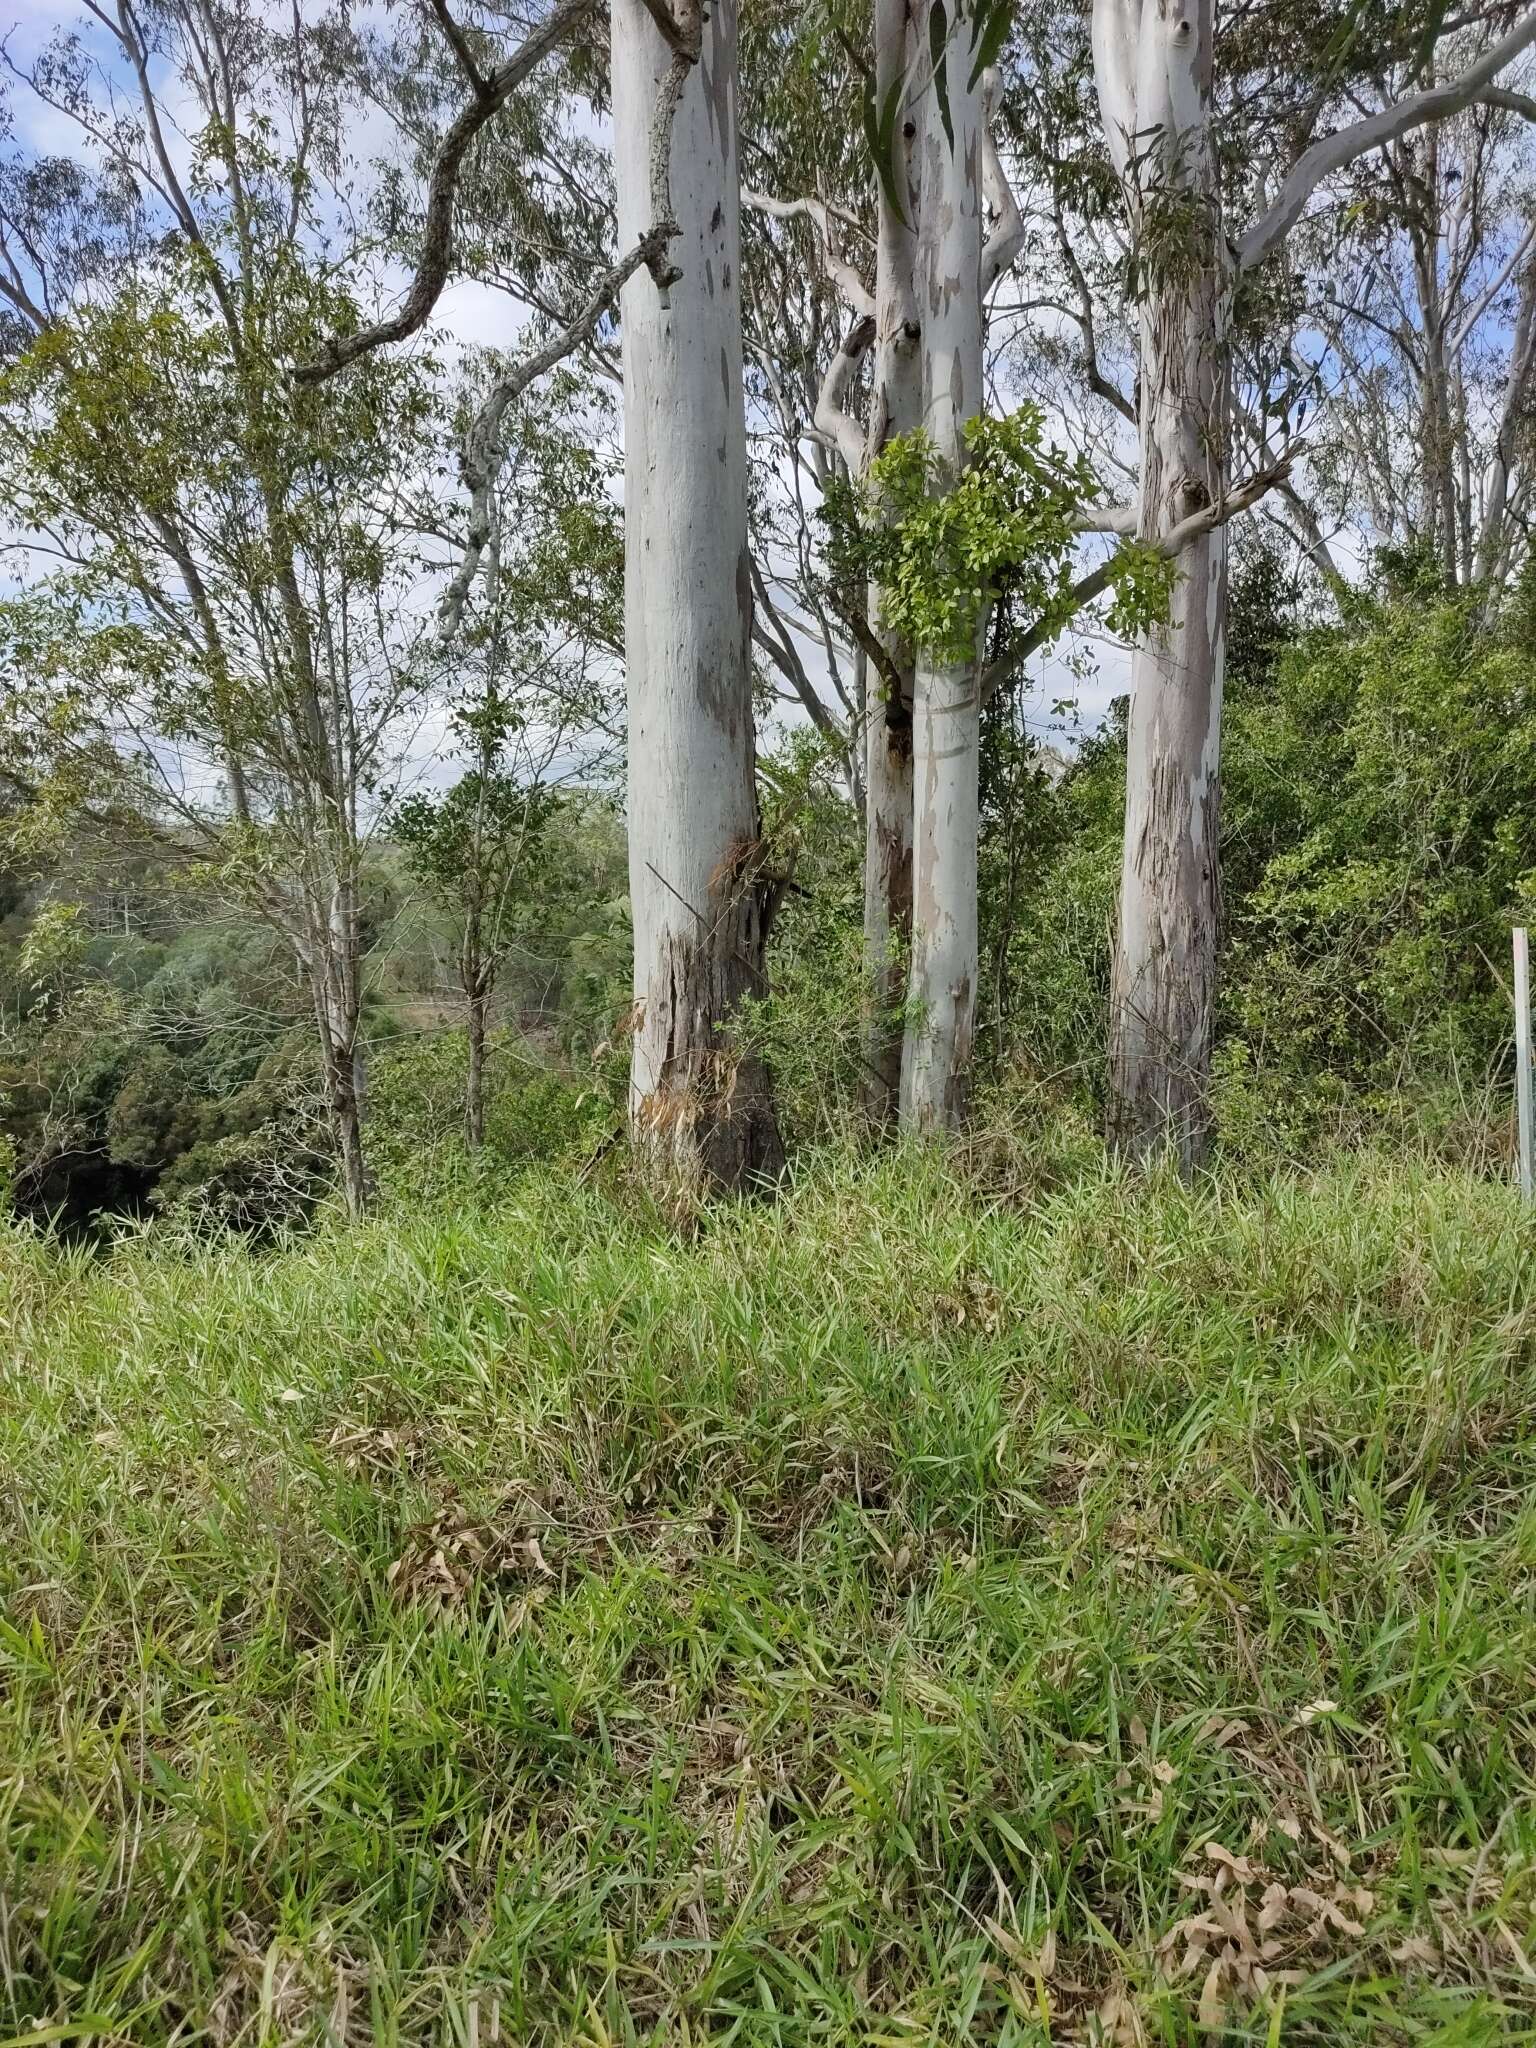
{"x":331,"y":961}
{"x":1490,"y":555}
{"x":474,"y":1084}
{"x":1164,"y":978}
{"x":888,"y":803}
{"x":697,"y":1102}
{"x":1437,"y":432}
{"x":476,"y":976}
{"x":936,"y":1055}
{"x":347,"y":1117}
{"x":896,"y":407}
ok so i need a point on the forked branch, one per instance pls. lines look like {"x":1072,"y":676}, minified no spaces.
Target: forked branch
{"x":846,"y":276}
{"x":1007,"y":237}
{"x":488,"y":95}
{"x":1094,"y":582}
{"x":1333,"y":152}
{"x":833,"y":419}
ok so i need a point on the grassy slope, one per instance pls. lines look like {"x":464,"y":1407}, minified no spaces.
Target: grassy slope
{"x":844,"y":1627}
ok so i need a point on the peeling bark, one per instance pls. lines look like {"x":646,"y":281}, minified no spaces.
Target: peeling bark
{"x":330,"y":953}
{"x":474,"y":1085}
{"x":698,"y":1105}
{"x":477,"y":978}
{"x":1162,"y":999}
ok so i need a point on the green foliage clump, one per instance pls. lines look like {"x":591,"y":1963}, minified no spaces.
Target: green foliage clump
{"x":142,"y":1059}
{"x":991,"y":549}
{"x":809,"y":1025}
{"x":1378,"y":820}
{"x":943,"y":552}
{"x":1386,"y":790}
{"x":537,"y":1113}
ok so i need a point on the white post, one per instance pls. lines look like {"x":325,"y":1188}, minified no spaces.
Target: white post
{"x":1523,"y":1060}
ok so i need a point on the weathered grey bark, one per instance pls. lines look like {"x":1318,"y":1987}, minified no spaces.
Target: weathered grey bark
{"x":896,"y":407}
{"x":477,"y":976}
{"x":474,"y":1086}
{"x":330,"y":951}
{"x":946,"y":750}
{"x":698,"y":1103}
{"x":1164,"y":976}
{"x":347,"y":1118}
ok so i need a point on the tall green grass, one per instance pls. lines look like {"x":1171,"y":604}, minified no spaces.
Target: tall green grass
{"x":906,"y":1614}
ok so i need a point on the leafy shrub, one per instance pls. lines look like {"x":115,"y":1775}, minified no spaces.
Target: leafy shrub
{"x":1378,"y":820}
{"x":533,"y":1112}
{"x":260,"y":1161}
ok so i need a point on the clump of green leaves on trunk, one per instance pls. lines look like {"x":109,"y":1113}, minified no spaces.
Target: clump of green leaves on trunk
{"x":997,"y":545}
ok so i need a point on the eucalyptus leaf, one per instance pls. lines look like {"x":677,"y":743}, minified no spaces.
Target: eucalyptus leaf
{"x":938,"y":51}
{"x":993,"y":35}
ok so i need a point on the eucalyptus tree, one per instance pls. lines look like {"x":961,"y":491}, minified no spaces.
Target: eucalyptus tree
{"x":801,"y":136}
{"x":696,"y":863}
{"x":475,"y":847}
{"x":1416,"y":286}
{"x":1157,"y":82}
{"x":946,"y":699}
{"x":854,"y":383}
{"x":696,"y":860}
{"x":923,"y":248}
{"x":218,"y":623}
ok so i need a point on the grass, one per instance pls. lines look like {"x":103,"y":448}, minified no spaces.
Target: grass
{"x":903,"y":1615}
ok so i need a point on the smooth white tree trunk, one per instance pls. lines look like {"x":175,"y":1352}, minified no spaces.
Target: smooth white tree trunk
{"x":1164,"y":978}
{"x":696,"y":1102}
{"x":947,"y":710}
{"x":896,"y":407}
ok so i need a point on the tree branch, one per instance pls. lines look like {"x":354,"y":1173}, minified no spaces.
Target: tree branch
{"x":673,"y":32}
{"x":1098,"y":383}
{"x":458,"y":42}
{"x":1096,"y":581}
{"x":1007,"y":237}
{"x":1314,"y":543}
{"x":856,"y":295}
{"x":1046,"y":627}
{"x":832,"y":417}
{"x":1120,"y":519}
{"x":490,"y":95}
{"x":785,"y":657}
{"x":684,"y":36}
{"x":1333,"y":152}
{"x":1516,"y":102}
{"x":484,"y":447}
{"x":1486,"y":297}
